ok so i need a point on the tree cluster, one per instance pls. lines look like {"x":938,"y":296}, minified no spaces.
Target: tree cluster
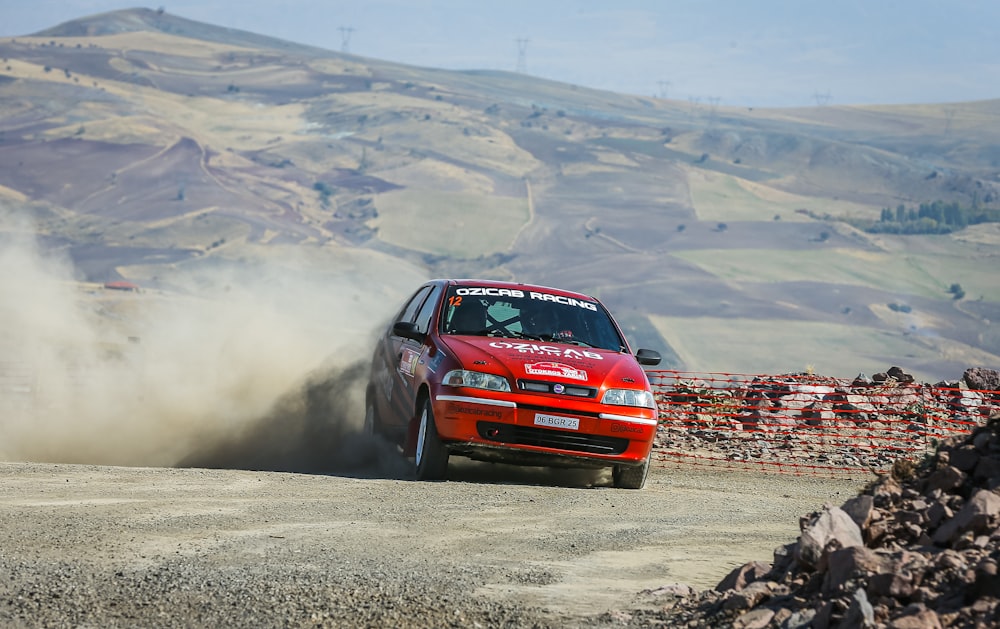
{"x":937,"y":217}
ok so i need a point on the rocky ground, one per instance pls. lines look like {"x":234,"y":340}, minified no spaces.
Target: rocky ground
{"x":498,"y":546}
{"x":494,"y":546}
{"x":919,"y":548}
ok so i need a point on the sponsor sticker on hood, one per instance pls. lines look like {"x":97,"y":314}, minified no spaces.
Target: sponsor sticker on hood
{"x":546,"y":350}
{"x":558,"y":370}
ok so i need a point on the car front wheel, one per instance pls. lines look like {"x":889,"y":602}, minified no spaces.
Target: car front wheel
{"x":369,"y":428}
{"x":432,"y":456}
{"x":631,"y":476}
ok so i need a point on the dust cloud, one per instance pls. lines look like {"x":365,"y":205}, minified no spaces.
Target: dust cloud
{"x":243,"y":364}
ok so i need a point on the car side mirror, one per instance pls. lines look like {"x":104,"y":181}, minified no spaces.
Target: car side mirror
{"x":647,"y":357}
{"x":407,"y":330}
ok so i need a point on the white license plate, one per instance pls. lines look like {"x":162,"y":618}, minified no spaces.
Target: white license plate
{"x":555,"y":421}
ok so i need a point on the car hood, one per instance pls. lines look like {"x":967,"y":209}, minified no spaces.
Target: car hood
{"x":548,"y":361}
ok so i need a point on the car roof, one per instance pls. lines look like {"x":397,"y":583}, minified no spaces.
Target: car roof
{"x":518,"y":286}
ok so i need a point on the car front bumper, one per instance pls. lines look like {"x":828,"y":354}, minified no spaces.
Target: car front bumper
{"x":523,"y":428}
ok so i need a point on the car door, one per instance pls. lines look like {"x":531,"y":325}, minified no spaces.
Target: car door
{"x":403,"y":357}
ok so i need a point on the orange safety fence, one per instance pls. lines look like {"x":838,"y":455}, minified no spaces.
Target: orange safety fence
{"x":805,"y":424}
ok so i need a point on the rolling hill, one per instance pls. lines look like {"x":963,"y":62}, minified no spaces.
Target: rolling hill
{"x":141,"y":143}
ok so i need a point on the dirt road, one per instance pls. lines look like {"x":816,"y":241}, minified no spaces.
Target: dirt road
{"x":495,"y":546}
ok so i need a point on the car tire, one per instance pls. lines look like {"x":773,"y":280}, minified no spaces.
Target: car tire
{"x":631,"y":476}
{"x":432,"y":456}
{"x":370,"y":427}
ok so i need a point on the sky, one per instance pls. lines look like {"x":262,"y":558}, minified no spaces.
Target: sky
{"x":764,"y":53}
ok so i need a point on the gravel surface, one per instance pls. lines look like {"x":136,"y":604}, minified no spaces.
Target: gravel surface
{"x":495,"y":546}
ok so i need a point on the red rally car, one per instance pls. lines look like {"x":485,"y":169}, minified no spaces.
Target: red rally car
{"x":512,"y":373}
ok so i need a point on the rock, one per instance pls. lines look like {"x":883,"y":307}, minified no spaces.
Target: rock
{"x":982,"y":509}
{"x":946,"y":479}
{"x":860,"y":509}
{"x":899,"y":578}
{"x":987,"y":581}
{"x":757,"y":619}
{"x":965,"y":458}
{"x":748,"y":597}
{"x":801,"y":619}
{"x":923,"y":618}
{"x":936,"y":513}
{"x":740,"y":577}
{"x":981,"y":440}
{"x":830,"y":526}
{"x":860,"y":613}
{"x":672,"y":589}
{"x":980,"y":379}
{"x":849,"y":564}
{"x":899,"y":375}
{"x":886,"y":492}
{"x":987,"y":468}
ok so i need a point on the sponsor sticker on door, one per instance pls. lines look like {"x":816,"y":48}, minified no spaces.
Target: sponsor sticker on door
{"x":557,"y":421}
{"x":408,"y":361}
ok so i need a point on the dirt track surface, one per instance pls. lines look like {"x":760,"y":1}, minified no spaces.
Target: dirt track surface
{"x":88,"y":546}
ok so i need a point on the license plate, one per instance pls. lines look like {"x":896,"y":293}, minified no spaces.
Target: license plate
{"x":555,"y":421}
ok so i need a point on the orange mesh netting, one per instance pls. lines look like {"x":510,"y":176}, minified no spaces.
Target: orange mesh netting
{"x":806,"y":424}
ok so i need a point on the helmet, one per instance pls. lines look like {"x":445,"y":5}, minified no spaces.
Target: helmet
{"x":468,"y":318}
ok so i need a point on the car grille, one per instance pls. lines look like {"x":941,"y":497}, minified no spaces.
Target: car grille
{"x":557,"y":439}
{"x":539,"y":386}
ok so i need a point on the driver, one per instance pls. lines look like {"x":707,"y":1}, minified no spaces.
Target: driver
{"x":539,"y":318}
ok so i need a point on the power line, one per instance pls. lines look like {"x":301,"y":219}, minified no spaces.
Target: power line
{"x":713,"y":102}
{"x":345,"y":38}
{"x":949,"y":115}
{"x":522,"y":55}
{"x":822,"y":100}
{"x":695,"y":102}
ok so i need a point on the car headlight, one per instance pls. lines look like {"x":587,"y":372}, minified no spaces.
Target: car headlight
{"x":477,"y":379}
{"x":629,"y":397}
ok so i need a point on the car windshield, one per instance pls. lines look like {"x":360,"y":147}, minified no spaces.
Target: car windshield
{"x":535,"y":315}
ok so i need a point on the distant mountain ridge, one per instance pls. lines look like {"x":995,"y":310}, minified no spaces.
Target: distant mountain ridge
{"x":140,"y":139}
{"x":140,"y":20}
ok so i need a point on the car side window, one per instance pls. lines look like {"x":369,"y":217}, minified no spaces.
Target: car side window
{"x":415,"y":302}
{"x":423,"y":320}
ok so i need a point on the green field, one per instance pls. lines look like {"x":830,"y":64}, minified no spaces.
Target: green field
{"x":720,"y":197}
{"x":457,"y":224}
{"x":714,"y":344}
{"x":928,"y":275}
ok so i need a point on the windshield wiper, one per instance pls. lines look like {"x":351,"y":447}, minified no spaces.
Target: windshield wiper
{"x":555,"y":338}
{"x":469,"y":332}
{"x":514,"y":334}
{"x":501,"y":332}
{"x":548,"y":338}
{"x":575,"y":342}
